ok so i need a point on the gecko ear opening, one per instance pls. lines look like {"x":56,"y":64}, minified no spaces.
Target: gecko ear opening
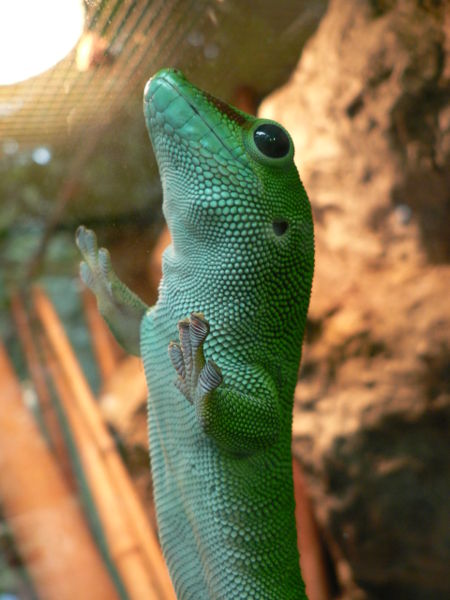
{"x":280,"y":227}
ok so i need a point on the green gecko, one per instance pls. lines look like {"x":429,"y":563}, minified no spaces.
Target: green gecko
{"x":222,"y":345}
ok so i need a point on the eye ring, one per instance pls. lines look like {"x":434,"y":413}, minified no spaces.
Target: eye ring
{"x":269,"y":144}
{"x":280,"y":227}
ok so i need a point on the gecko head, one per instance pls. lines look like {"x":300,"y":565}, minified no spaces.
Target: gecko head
{"x":229,"y":183}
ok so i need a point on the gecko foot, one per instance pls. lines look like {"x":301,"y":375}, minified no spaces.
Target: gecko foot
{"x":196,"y":376}
{"x":95,"y":270}
{"x":121,"y":308}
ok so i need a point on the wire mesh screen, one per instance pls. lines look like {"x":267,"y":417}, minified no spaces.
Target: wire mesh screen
{"x":124,"y":41}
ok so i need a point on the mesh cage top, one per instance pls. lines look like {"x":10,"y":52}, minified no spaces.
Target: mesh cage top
{"x":124,"y":41}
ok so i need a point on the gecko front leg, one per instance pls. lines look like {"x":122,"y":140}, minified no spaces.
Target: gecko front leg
{"x":119,"y":306}
{"x":242,"y":415}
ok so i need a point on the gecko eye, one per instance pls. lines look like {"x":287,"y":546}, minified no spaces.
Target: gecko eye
{"x":271,"y":140}
{"x":280,"y":227}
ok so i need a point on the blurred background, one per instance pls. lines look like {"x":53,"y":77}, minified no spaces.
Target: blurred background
{"x":363,"y":86}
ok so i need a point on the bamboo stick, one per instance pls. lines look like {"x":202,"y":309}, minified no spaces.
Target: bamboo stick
{"x":44,"y":516}
{"x":49,"y":416}
{"x":123,"y":546}
{"x":87,"y":407}
{"x":106,"y":349}
{"x":124,"y":393}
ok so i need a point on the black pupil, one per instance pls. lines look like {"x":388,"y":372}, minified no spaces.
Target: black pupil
{"x":271,"y":140}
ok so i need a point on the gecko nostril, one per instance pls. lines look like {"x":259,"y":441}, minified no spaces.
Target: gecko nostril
{"x":280,"y":227}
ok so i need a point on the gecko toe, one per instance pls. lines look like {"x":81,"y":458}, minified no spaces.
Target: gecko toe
{"x":210,"y":377}
{"x":199,"y":330}
{"x":104,"y":261}
{"x":79,"y":234}
{"x":86,"y":275}
{"x":185,"y":343}
{"x":86,"y":241}
{"x":176,"y":356}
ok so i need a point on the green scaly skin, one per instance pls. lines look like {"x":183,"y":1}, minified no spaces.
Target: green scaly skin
{"x":227,"y":329}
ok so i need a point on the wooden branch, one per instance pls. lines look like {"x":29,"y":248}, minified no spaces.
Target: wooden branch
{"x":106,"y":350}
{"x":123,"y":394}
{"x":49,"y":415}
{"x":44,"y":516}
